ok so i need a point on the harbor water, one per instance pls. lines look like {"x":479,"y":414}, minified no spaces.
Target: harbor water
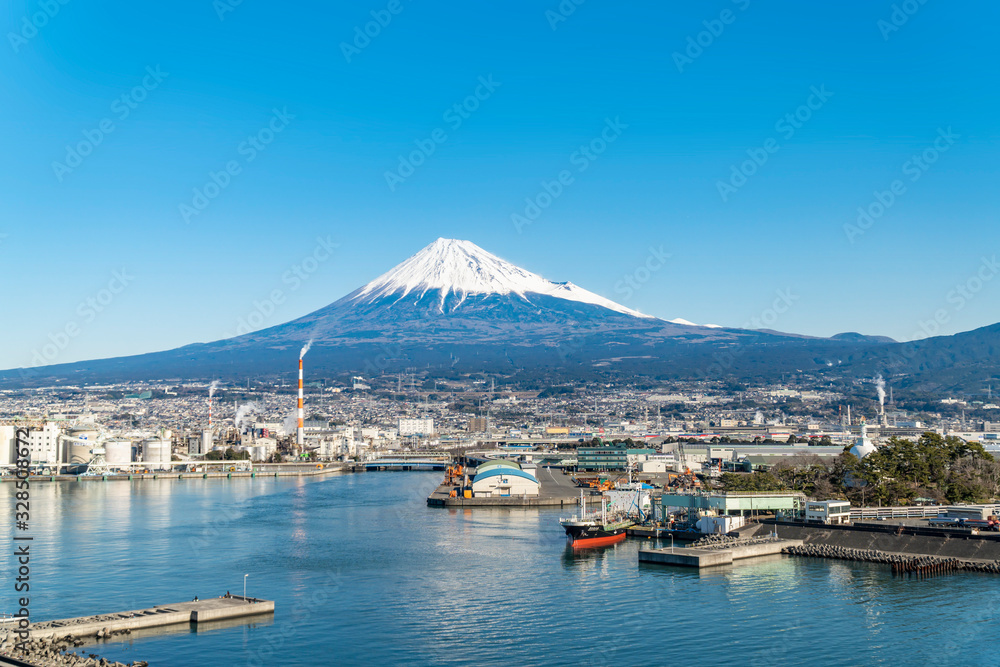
{"x":362,"y":571}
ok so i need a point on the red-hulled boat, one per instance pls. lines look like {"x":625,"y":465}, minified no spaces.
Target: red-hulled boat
{"x":595,"y":530}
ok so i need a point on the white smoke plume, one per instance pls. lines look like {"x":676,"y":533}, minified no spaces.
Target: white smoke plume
{"x":880,"y":388}
{"x":291,"y":423}
{"x":305,"y":348}
{"x":243,"y":414}
{"x":212,"y":387}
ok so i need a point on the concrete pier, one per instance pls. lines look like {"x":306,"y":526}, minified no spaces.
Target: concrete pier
{"x":212,"y":609}
{"x":699,"y":558}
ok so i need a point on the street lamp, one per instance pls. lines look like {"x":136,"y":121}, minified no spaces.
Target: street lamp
{"x":245,"y":586}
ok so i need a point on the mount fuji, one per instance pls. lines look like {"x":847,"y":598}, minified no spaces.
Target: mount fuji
{"x":456,"y":308}
{"x":453,"y":292}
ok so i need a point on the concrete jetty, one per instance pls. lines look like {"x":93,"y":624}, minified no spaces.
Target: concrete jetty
{"x":712,"y":557}
{"x":100,"y":625}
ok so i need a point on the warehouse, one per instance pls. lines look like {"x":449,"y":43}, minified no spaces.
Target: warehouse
{"x":496,"y":479}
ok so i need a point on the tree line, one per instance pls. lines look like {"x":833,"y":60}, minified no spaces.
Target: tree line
{"x":942,"y":469}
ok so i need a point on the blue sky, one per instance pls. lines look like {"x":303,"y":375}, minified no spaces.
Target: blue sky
{"x":329,"y":121}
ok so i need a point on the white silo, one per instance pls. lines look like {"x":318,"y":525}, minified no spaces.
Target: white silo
{"x":206,"y":442}
{"x":8,"y":449}
{"x":78,"y":453}
{"x":118,"y":452}
{"x":156,"y":453}
{"x":77,"y":445}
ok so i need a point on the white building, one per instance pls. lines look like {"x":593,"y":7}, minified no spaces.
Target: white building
{"x":415,"y":427}
{"x":828,"y":511}
{"x":43,"y":444}
{"x":503,"y":478}
{"x":8,"y":444}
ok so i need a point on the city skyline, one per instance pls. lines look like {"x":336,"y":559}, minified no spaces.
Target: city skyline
{"x":297,"y":123}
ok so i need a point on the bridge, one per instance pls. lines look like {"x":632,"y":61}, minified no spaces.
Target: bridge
{"x":409,"y":461}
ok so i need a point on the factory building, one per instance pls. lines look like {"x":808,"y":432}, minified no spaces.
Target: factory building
{"x":609,"y":457}
{"x":503,"y":478}
{"x":43,"y":444}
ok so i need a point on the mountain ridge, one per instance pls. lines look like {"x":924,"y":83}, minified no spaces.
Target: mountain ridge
{"x":455,"y":307}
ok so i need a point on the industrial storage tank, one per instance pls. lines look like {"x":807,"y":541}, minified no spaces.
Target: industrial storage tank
{"x":8,"y":453}
{"x":118,"y":452}
{"x":77,"y":450}
{"x":78,"y":453}
{"x":83,"y":433}
{"x":156,"y":453}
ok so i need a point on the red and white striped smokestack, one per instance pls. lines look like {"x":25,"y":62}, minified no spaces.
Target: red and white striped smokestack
{"x":299,"y":433}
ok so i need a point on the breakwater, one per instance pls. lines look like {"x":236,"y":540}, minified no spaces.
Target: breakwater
{"x":906,"y":540}
{"x":899,"y":563}
{"x":57,"y":652}
{"x":50,"y":639}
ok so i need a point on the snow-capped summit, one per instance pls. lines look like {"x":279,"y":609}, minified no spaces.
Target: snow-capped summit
{"x":461,"y":268}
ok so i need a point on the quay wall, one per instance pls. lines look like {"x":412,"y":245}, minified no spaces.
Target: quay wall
{"x":910,"y":540}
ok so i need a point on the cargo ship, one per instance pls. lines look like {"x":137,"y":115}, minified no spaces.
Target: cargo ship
{"x":597,"y":529}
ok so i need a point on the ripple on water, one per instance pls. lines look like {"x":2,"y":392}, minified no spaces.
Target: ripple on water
{"x":362,"y":571}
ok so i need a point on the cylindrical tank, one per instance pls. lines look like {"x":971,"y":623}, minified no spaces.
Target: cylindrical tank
{"x":77,"y":450}
{"x":156,"y":453}
{"x":118,"y":452}
{"x":79,"y":453}
{"x":8,"y":454}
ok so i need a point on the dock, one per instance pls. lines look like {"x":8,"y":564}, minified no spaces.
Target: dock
{"x":700,"y":558}
{"x":200,"y":611}
{"x":555,"y":490}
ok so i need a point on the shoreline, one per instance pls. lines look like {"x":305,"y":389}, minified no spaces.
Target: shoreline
{"x":336,"y":469}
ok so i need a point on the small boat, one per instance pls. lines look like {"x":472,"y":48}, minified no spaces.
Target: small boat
{"x":597,"y":529}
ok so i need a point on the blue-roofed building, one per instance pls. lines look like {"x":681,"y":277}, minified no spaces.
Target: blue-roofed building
{"x":498,"y":478}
